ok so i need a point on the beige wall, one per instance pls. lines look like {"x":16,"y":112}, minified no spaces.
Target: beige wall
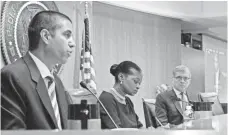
{"x":210,"y":44}
{"x":68,"y":8}
{"x":194,"y":60}
{"x":75,"y":10}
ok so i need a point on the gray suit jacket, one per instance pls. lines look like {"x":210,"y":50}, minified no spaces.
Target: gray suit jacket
{"x":168,"y":109}
{"x":25,"y":100}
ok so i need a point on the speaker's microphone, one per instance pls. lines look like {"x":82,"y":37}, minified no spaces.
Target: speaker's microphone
{"x":84,"y":85}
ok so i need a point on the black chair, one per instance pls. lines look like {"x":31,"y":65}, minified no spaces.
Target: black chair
{"x":149,"y":112}
{"x":224,"y":107}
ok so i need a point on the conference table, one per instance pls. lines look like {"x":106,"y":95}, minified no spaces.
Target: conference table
{"x":216,"y":125}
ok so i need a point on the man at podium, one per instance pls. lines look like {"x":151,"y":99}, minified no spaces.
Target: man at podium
{"x":32,"y":96}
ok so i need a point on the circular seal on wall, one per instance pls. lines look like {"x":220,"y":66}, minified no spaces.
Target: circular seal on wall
{"x":15,"y":19}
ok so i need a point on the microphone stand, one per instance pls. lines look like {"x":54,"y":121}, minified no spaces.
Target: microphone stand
{"x":157,"y":118}
{"x":159,"y":122}
{"x":83,"y":84}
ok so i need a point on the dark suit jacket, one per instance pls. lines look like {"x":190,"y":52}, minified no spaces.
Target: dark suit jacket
{"x":25,"y":100}
{"x":168,"y":109}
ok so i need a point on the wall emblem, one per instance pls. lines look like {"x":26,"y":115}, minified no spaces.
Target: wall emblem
{"x":15,"y":18}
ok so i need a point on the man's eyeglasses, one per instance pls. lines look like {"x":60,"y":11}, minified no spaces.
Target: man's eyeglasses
{"x":179,"y":78}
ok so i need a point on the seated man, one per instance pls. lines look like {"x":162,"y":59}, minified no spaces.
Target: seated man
{"x":171,"y":104}
{"x":32,"y":95}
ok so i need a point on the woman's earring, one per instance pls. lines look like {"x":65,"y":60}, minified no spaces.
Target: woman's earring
{"x":121,"y":82}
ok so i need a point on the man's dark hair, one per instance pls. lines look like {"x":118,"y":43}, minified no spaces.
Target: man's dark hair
{"x":43,"y":20}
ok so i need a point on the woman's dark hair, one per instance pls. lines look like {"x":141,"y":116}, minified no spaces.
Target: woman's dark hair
{"x":123,"y":67}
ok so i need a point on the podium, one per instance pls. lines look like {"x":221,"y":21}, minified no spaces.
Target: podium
{"x":84,"y":112}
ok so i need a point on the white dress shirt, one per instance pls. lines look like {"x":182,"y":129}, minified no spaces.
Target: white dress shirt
{"x":178,"y":93}
{"x":44,"y":71}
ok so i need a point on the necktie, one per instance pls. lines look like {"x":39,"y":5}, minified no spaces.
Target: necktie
{"x":184,"y":104}
{"x":52,"y":95}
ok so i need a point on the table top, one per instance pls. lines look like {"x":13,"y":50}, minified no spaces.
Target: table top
{"x":218,"y":126}
{"x":111,"y":132}
{"x":217,"y":123}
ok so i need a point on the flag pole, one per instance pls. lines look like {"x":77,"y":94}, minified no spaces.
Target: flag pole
{"x":87,"y":63}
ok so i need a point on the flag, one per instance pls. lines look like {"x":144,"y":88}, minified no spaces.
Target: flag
{"x":86,"y":60}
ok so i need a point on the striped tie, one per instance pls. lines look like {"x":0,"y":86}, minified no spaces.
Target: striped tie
{"x":52,"y":95}
{"x":184,"y":104}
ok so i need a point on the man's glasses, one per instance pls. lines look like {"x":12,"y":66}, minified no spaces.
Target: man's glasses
{"x":179,"y":78}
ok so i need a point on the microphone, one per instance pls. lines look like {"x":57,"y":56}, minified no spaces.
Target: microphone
{"x":84,"y":85}
{"x":157,"y":118}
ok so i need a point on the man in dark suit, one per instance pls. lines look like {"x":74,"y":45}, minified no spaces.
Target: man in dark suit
{"x":32,"y":96}
{"x":171,"y":104}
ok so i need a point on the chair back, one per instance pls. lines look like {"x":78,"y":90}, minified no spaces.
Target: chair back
{"x":161,"y":88}
{"x":149,"y":112}
{"x":212,"y":97}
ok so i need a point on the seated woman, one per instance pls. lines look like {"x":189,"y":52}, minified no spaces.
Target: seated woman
{"x":128,"y":78}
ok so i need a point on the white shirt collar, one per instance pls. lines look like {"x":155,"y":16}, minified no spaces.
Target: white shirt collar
{"x":44,"y":71}
{"x":118,"y":97}
{"x":176,"y":91}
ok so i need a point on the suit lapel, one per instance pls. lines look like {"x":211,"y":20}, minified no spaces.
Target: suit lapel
{"x":42,"y":91}
{"x":61,"y":98}
{"x":175,"y":102}
{"x":40,"y":86}
{"x":187,"y":97}
{"x":177,"y":105}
